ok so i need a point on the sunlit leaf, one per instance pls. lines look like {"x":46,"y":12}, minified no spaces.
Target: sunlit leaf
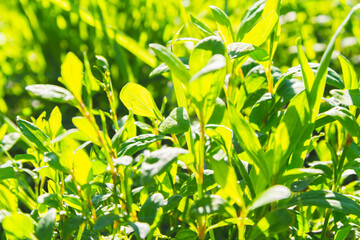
{"x":72,"y":74}
{"x":139,"y":100}
{"x":50,"y":92}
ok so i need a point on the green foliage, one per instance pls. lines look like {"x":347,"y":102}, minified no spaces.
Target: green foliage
{"x":239,"y":149}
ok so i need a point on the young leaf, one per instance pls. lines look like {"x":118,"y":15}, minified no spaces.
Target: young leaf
{"x":203,"y":51}
{"x":55,"y":122}
{"x":50,"y":92}
{"x":223,"y":25}
{"x":272,"y":194}
{"x":34,"y":134}
{"x":177,"y":122}
{"x":139,"y":100}
{"x":72,"y":74}
{"x":206,"y":30}
{"x":174,"y":63}
{"x":45,"y":228}
{"x":262,"y":30}
{"x":349,"y":74}
{"x":206,"y":85}
{"x":320,"y":78}
{"x":18,"y":226}
{"x":85,"y":126}
{"x":250,"y":18}
{"x":8,"y":200}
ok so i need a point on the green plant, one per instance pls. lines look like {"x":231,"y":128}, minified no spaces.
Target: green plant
{"x":248,"y":152}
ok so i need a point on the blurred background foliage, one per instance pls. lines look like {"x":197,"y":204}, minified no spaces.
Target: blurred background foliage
{"x":35,"y":35}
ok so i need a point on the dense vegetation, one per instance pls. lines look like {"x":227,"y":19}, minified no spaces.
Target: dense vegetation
{"x":179,"y":120}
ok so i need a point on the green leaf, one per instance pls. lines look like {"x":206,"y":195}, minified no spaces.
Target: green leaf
{"x":7,"y":172}
{"x":274,"y":222}
{"x":272,"y":194}
{"x":226,"y":177}
{"x":72,"y":224}
{"x":332,"y":77}
{"x":248,"y":140}
{"x":212,"y":204}
{"x":18,"y":226}
{"x":262,"y":30}
{"x":349,"y":74}
{"x":327,"y":199}
{"x":8,"y":141}
{"x":250,"y":18}
{"x":139,"y":100}
{"x":320,"y":78}
{"x":239,"y":49}
{"x":51,"y":200}
{"x":218,"y":113}
{"x":141,"y":229}
{"x":105,"y":221}
{"x":85,"y":126}
{"x":177,"y":122}
{"x":90,"y":82}
{"x":347,"y":97}
{"x":223,"y":25}
{"x":135,"y":144}
{"x":163,"y":68}
{"x":8,"y":200}
{"x":55,"y":122}
{"x":148,"y":210}
{"x":206,"y":30}
{"x":159,"y":161}
{"x":34,"y":134}
{"x":206,"y":85}
{"x":72,"y":74}
{"x":50,"y":92}
{"x":301,"y":185}
{"x":174,"y":63}
{"x":186,"y":234}
{"x":346,"y":119}
{"x":203,"y":52}
{"x":75,"y":161}
{"x":45,"y":228}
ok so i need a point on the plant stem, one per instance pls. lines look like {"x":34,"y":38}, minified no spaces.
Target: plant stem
{"x":269,"y":78}
{"x":326,"y":221}
{"x":201,"y":156}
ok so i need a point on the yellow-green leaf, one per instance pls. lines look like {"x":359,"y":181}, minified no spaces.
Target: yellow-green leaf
{"x":87,"y":128}
{"x":139,"y":100}
{"x":72,"y":74}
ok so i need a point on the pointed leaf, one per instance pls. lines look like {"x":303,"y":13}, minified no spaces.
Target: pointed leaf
{"x":72,"y":74}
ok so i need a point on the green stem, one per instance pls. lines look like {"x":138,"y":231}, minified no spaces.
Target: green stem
{"x":326,"y":222}
{"x":245,"y":175}
{"x":201,"y":155}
